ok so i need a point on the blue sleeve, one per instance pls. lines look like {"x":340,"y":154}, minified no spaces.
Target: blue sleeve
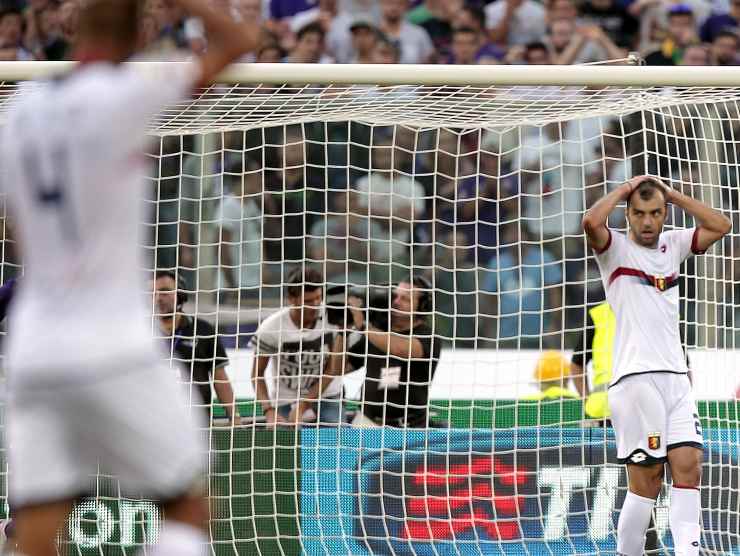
{"x":7,"y":291}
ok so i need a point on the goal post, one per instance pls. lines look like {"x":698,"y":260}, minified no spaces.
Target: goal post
{"x":475,"y":178}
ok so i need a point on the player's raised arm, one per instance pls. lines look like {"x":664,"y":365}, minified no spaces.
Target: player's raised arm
{"x":711,"y":224}
{"x":227,"y":39}
{"x":595,"y":219}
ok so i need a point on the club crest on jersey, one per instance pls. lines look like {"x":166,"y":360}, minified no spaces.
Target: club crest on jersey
{"x":660,"y":283}
{"x":654,"y":440}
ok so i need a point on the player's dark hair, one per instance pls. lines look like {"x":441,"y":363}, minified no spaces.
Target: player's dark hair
{"x":646,"y":190}
{"x":110,"y":20}
{"x":304,"y":279}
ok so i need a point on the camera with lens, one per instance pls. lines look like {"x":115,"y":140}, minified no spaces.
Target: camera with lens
{"x":375,"y":301}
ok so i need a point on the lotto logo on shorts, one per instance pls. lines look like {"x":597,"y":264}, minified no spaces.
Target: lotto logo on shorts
{"x":654,"y":441}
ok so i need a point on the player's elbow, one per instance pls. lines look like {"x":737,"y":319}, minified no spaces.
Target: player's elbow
{"x":587,"y":223}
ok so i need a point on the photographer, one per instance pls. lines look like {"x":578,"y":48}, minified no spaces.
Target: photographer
{"x":396,"y":345}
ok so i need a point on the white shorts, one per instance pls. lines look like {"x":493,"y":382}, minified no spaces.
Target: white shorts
{"x":652,"y":413}
{"x":132,"y":423}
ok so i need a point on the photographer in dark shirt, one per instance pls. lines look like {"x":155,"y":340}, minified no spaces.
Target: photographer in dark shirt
{"x":399,"y":351}
{"x":194,"y":345}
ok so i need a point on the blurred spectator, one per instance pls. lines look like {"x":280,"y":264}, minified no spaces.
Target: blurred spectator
{"x":170,"y":22}
{"x":396,"y":202}
{"x":534,"y":53}
{"x":719,"y":22}
{"x":580,"y":45}
{"x":695,"y":55}
{"x":724,"y":49}
{"x":515,"y":22}
{"x":346,"y":243}
{"x":561,"y":9}
{"x":456,"y":291}
{"x":655,"y":18}
{"x":612,"y":17}
{"x":69,"y":12}
{"x":436,"y":17}
{"x":681,"y":33}
{"x":364,"y":42}
{"x":469,"y":46}
{"x":524,"y":286}
{"x":270,"y":53}
{"x":473,"y":17}
{"x":43,"y":34}
{"x":551,"y":375}
{"x":280,"y":15}
{"x":294,"y":199}
{"x":240,"y":217}
{"x":386,"y":52}
{"x":249,"y":10}
{"x":413,"y":41}
{"x":386,"y":192}
{"x":11,"y":37}
{"x":336,"y":24}
{"x":309,"y":46}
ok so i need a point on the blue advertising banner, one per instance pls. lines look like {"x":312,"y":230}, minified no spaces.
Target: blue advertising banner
{"x":512,"y":491}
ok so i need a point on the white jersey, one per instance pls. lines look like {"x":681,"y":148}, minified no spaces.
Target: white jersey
{"x":299,"y":356}
{"x":73,"y":169}
{"x":641,"y":286}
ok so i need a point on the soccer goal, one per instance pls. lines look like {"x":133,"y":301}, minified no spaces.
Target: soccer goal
{"x":475,"y":178}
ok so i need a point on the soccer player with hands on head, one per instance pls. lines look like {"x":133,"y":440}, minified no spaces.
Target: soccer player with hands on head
{"x":652,"y":407}
{"x":86,"y":386}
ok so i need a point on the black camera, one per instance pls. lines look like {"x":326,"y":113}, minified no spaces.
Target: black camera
{"x":375,"y":301}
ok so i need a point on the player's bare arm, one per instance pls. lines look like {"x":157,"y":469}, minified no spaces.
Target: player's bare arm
{"x":227,"y":39}
{"x":711,"y":224}
{"x":595,"y":219}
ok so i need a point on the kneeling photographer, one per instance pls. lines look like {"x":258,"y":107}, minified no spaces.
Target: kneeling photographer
{"x":392,"y":339}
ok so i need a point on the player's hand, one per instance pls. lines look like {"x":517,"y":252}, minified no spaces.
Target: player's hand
{"x":629,"y":186}
{"x":668,"y":192}
{"x":273,"y":418}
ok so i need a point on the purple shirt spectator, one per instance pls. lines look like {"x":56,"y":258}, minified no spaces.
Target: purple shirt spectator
{"x":476,"y":212}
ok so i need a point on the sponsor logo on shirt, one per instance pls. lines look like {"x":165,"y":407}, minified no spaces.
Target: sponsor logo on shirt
{"x":654,"y":441}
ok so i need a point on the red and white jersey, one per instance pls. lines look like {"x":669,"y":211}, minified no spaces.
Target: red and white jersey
{"x":641,"y":285}
{"x":71,"y":155}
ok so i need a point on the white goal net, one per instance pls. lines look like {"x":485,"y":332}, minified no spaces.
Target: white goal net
{"x":481,"y":191}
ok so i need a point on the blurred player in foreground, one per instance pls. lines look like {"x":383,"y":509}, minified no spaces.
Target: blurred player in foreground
{"x":650,"y":399}
{"x":85,"y":383}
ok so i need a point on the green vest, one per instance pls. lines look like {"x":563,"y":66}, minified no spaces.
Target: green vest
{"x":602,"y":350}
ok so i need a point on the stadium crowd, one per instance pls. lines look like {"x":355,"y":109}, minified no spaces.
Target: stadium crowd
{"x":484,"y":214}
{"x":665,"y":32}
